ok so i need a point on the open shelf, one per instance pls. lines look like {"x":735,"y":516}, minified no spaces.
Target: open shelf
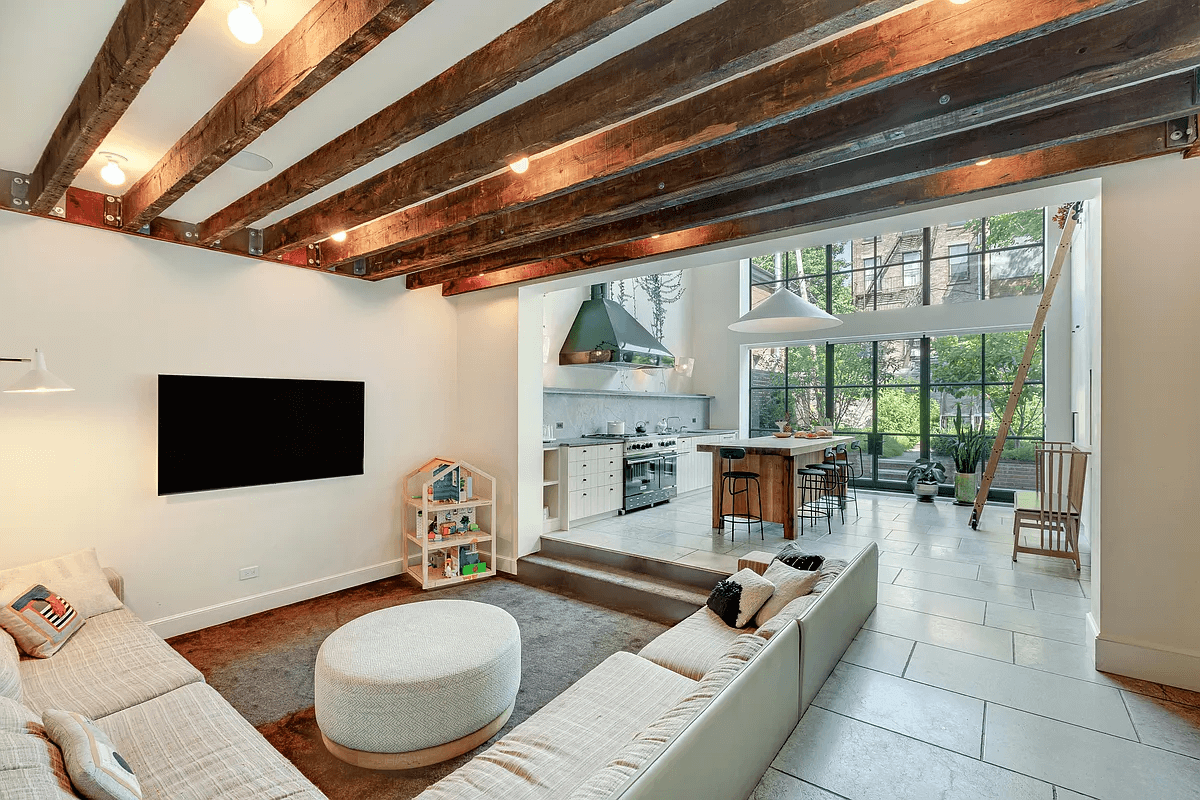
{"x":456,"y":479}
{"x":431,"y":578}
{"x":549,"y":483}
{"x":453,"y":541}
{"x":471,"y":503}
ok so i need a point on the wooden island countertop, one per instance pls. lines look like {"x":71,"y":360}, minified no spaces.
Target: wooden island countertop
{"x":777,"y":446}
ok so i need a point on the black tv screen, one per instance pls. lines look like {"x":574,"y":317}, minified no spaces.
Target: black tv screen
{"x":220,"y":433}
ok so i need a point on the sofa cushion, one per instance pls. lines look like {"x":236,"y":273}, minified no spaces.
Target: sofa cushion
{"x":190,"y":744}
{"x":573,"y":735}
{"x":655,"y":737}
{"x":16,"y":718}
{"x":98,"y":771}
{"x":790,"y":583}
{"x":31,"y":766}
{"x":787,"y":615}
{"x":113,"y":663}
{"x":829,"y":572}
{"x":77,"y":576}
{"x":739,"y":597}
{"x":10,"y":672}
{"x":39,"y":618}
{"x":694,"y":645}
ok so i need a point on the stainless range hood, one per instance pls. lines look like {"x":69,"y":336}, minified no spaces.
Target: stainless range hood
{"x":605,"y":335}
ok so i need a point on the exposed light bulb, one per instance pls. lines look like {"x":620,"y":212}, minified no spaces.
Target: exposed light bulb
{"x":244,"y":24}
{"x":960,"y":2}
{"x":655,"y":235}
{"x":111,"y":172}
{"x":983,"y":162}
{"x":340,"y":236}
{"x":519,"y":167}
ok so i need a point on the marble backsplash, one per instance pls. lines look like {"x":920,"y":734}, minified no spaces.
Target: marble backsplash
{"x":583,"y":412}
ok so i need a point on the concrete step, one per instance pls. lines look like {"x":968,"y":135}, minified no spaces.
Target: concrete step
{"x":659,"y":590}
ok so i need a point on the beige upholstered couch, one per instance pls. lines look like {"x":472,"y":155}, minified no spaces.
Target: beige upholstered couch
{"x":699,"y":713}
{"x":182,"y":739}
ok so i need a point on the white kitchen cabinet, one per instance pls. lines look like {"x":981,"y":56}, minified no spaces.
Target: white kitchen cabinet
{"x":595,"y":480}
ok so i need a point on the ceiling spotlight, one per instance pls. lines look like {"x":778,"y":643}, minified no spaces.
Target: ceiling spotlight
{"x":519,"y":167}
{"x":983,"y":162}
{"x":340,"y":236}
{"x":960,"y":2}
{"x":243,"y":23}
{"x":112,"y":172}
{"x":655,"y":235}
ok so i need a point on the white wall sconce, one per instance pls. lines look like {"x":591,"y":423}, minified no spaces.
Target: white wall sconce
{"x":38,"y":380}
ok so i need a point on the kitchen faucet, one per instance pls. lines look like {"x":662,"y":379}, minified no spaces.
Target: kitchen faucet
{"x":676,"y":429}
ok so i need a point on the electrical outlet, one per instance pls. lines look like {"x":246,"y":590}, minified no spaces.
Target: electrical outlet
{"x":558,"y":425}
{"x":693,"y":419}
{"x":246,"y":573}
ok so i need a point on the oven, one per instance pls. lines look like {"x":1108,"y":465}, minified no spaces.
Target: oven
{"x":650,"y":478}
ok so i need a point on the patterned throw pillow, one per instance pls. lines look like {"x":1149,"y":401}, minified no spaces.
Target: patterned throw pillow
{"x":794,"y":557}
{"x":40,"y":620}
{"x":97,"y":770}
{"x":739,"y":597}
{"x":789,"y":584}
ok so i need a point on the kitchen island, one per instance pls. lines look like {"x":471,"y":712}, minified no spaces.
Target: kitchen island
{"x":776,"y":462}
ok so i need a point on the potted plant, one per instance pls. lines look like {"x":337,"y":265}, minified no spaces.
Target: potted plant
{"x":924,"y":477}
{"x":967,"y":450}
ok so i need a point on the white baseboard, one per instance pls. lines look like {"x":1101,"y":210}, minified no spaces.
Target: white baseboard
{"x":1146,"y":661}
{"x":206,"y":617}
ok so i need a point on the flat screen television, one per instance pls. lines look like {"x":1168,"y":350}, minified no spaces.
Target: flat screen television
{"x":221,"y":433}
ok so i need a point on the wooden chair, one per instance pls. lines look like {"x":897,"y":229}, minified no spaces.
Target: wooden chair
{"x":1054,"y":509}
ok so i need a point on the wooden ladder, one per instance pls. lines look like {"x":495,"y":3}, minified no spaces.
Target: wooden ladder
{"x":1067,"y":218}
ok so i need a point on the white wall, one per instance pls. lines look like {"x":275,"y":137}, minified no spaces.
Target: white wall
{"x":79,"y":469}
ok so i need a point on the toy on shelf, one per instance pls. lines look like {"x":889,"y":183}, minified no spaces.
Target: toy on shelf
{"x":444,"y":514}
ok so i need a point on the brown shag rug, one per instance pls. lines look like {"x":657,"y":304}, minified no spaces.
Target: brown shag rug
{"x":263,"y":665}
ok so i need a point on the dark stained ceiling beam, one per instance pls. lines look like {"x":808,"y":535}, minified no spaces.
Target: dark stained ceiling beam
{"x":556,"y":31}
{"x":137,"y":41}
{"x":935,"y":35}
{"x":331,"y":37}
{"x":735,"y":36}
{"x":1021,"y":79}
{"x":1135,"y":107}
{"x":1001,"y":173}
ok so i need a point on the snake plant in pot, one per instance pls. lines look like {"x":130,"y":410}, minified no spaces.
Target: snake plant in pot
{"x":924,"y":477}
{"x":968,"y":449}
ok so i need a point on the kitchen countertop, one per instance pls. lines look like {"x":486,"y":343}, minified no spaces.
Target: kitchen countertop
{"x":770,"y":445}
{"x":582,"y":441}
{"x":623,"y":393}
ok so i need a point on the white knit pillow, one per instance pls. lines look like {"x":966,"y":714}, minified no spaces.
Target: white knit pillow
{"x":76,"y":575}
{"x":739,"y":597}
{"x":790,"y":583}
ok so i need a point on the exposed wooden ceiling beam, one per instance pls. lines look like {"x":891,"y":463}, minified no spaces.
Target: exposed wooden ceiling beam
{"x":137,"y":41}
{"x":1131,"y":108}
{"x":1002,"y":172}
{"x":331,"y":37}
{"x":732,"y":37}
{"x":871,"y":59}
{"x":1017,"y":80}
{"x":554,"y":32}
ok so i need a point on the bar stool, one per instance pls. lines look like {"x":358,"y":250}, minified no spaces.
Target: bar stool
{"x":835,"y":480}
{"x":841,"y":460}
{"x":812,"y":485}
{"x":731,"y":454}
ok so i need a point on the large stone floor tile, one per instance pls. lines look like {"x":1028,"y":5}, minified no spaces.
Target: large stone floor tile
{"x":1078,"y":702}
{"x":963,"y":556}
{"x":937,"y":566}
{"x":888,"y":574}
{"x":885,"y":545}
{"x":977,"y":590}
{"x":1030,"y":580}
{"x":941,"y":631}
{"x":920,"y":537}
{"x":923,"y":712}
{"x":858,"y":761}
{"x":776,"y":785}
{"x":663,"y":552}
{"x":720,"y":562}
{"x":1036,"y":623}
{"x":942,"y":605}
{"x":1075,"y":661}
{"x":1061,"y":604}
{"x":1095,"y":764}
{"x":1161,"y":723}
{"x":879,"y":651}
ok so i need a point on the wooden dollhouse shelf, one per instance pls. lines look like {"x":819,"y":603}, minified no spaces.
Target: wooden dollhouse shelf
{"x":453,"y":541}
{"x":432,"y":578}
{"x":422,"y":513}
{"x":443,"y":504}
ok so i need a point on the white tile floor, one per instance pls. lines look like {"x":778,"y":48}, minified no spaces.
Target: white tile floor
{"x":971,"y":679}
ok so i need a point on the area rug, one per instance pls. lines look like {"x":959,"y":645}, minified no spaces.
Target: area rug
{"x":263,"y":665}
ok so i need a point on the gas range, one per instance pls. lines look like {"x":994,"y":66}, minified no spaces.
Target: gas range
{"x":650,"y":444}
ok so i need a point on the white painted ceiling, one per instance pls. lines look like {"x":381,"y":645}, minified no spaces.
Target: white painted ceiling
{"x":48,"y":45}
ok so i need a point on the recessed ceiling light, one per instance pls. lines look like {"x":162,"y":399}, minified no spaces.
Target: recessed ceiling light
{"x":250,"y":161}
{"x":983,"y":162}
{"x":519,"y":167}
{"x":340,"y":236}
{"x":111,"y":173}
{"x":244,"y":24}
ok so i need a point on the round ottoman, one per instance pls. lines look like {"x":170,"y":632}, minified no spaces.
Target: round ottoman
{"x":416,"y":684}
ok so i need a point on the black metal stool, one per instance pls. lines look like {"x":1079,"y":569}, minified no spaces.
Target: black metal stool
{"x":853,"y":474}
{"x":731,"y":454}
{"x":812,"y":485}
{"x":839,"y":457}
{"x":834,"y":479}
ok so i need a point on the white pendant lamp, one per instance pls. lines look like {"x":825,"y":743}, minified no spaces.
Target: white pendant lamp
{"x":784,"y":312}
{"x":39,"y":379}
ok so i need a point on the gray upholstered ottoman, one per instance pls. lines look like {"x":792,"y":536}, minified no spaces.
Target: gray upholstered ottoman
{"x":417,"y":684}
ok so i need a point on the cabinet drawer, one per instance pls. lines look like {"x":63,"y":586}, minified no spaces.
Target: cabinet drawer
{"x":589,"y":467}
{"x":610,"y":464}
{"x":577,"y":482}
{"x":614,"y":478}
{"x":582,"y":453}
{"x":612,"y":497}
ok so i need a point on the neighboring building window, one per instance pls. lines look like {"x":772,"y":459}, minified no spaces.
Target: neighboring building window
{"x":912,"y":268}
{"x":959,"y":264}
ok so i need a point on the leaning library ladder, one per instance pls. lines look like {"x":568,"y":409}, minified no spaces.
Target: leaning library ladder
{"x":1067,"y":217}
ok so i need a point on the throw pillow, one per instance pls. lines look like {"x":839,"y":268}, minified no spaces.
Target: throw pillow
{"x":40,"y":620}
{"x":789,"y":584}
{"x":97,"y":770}
{"x":796,"y":558}
{"x":76,"y":575}
{"x":739,"y":597}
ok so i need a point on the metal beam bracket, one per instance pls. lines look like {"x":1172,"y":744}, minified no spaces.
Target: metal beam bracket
{"x":112,"y":211}
{"x":14,"y":190}
{"x":1181,"y":132}
{"x":256,"y":241}
{"x":314,"y":255}
{"x":360,"y":266}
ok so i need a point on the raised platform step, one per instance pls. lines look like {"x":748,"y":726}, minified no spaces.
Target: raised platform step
{"x":659,"y":590}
